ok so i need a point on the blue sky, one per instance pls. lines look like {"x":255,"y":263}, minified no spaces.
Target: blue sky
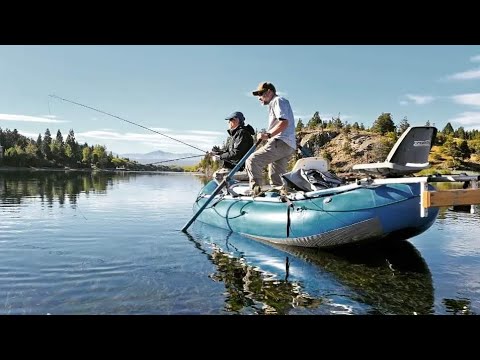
{"x":185,"y":92}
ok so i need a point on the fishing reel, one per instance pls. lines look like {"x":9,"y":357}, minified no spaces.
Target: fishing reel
{"x":216,"y":150}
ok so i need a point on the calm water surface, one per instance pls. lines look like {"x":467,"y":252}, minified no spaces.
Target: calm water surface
{"x":73,"y":243}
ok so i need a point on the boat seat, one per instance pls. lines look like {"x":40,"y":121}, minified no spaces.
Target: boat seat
{"x":312,"y":163}
{"x":409,"y":154}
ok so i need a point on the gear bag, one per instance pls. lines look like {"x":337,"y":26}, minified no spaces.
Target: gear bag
{"x":311,"y":180}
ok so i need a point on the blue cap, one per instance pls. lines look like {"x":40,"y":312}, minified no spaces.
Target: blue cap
{"x":236,"y":114}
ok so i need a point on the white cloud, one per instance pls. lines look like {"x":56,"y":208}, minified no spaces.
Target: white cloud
{"x":420,"y":99}
{"x":104,"y":135}
{"x":467,"y":99}
{"x":27,"y":118}
{"x":475,"y":58}
{"x":466,"y":75}
{"x":403,"y":102}
{"x":469,"y":120}
{"x":49,"y":116}
{"x":160,"y":129}
{"x":175,"y":142}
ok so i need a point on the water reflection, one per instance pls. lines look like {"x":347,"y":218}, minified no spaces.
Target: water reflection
{"x":251,"y":289}
{"x":58,"y":186}
{"x":391,"y":279}
{"x":458,"y":306}
{"x":51,"y":186}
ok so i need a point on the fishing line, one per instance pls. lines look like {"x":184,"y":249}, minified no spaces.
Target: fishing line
{"x":187,"y":157}
{"x":49,"y":112}
{"x":131,"y":122}
{"x":78,"y":208}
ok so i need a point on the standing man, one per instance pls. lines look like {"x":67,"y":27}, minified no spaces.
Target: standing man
{"x":280,"y":136}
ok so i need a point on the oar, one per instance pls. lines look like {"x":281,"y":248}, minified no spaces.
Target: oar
{"x":222,"y":184}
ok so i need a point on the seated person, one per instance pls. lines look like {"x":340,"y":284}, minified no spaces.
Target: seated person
{"x":238,"y":143}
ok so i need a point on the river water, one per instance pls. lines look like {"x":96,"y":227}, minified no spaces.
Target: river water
{"x":110,"y":243}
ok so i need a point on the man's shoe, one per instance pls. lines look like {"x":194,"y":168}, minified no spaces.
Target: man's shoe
{"x":257,"y":190}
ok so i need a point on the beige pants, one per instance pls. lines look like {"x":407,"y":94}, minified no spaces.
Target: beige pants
{"x":276,"y":154}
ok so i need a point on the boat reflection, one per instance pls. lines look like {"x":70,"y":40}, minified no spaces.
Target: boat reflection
{"x":391,"y":279}
{"x":251,"y":290}
{"x":460,"y":306}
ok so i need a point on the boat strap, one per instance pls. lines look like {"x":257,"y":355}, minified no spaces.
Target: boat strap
{"x":220,"y":198}
{"x":285,"y":199}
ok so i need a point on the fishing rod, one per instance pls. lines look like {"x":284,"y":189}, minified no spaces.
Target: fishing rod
{"x":187,"y":157}
{"x":131,"y":122}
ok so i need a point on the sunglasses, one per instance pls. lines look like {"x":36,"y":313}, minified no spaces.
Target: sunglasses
{"x":260,"y":94}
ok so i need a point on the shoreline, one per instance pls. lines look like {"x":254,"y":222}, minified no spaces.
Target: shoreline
{"x":18,"y":168}
{"x":35,"y":169}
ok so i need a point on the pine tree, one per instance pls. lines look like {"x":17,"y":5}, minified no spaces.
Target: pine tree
{"x":39,"y":146}
{"x":460,"y":133}
{"x":73,"y":153}
{"x":448,"y":129}
{"x":315,"y":121}
{"x":299,"y":126}
{"x":404,"y":125}
{"x":47,"y":141}
{"x":384,"y":124}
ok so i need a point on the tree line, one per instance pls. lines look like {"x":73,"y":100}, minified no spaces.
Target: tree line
{"x":383,"y":124}
{"x":59,"y":153}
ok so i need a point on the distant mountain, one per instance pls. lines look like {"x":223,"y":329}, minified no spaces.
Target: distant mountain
{"x":159,"y":155}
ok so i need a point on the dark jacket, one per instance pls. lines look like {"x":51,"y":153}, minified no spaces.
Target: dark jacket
{"x":237,"y":145}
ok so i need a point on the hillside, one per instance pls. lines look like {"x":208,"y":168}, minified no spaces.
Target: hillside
{"x":360,"y":147}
